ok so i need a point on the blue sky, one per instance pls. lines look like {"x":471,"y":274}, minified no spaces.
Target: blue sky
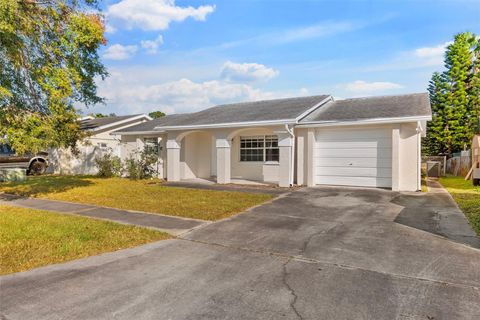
{"x":184,"y":56}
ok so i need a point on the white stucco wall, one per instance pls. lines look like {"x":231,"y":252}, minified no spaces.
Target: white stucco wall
{"x":405,"y":155}
{"x":62,"y":161}
{"x":259,"y":171}
{"x":195,"y":156}
{"x":301,"y":156}
{"x":131,"y":145}
{"x":409,"y":158}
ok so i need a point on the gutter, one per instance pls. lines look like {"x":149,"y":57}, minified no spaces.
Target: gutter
{"x":228,"y":125}
{"x":332,"y":123}
{"x":116,"y":123}
{"x":134,"y":133}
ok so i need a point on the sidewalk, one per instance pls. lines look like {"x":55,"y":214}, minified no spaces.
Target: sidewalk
{"x":169,"y":224}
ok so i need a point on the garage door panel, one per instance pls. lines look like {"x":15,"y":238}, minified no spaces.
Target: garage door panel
{"x":339,"y":135}
{"x":355,"y":181}
{"x":358,"y":144}
{"x":354,"y":153}
{"x":354,"y":172}
{"x":354,"y":157}
{"x":357,"y":162}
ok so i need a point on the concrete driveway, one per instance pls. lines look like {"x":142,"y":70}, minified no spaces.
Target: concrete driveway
{"x":319,"y":253}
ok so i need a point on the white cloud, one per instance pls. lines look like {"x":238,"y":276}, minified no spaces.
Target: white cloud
{"x":419,"y":58}
{"x":286,"y":36}
{"x":109,"y":28}
{"x":304,"y":92}
{"x":367,"y":88}
{"x":151,"y":46}
{"x":119,"y":52}
{"x":155,"y":15}
{"x":126,"y":93}
{"x":315,"y":31}
{"x":247,"y":72}
{"x":432,"y":52}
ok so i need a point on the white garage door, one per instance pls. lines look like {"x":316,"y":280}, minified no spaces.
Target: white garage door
{"x":354,"y":157}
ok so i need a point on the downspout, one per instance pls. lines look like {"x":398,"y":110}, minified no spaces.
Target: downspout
{"x":292,"y":169}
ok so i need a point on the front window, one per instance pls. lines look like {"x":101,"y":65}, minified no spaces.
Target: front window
{"x":151,"y":145}
{"x":102,"y":145}
{"x":259,"y":149}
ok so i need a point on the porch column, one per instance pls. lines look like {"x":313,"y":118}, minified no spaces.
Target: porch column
{"x":223,"y":160}
{"x":310,"y":158}
{"x":396,"y":158}
{"x":173,"y":160}
{"x":285,"y":174}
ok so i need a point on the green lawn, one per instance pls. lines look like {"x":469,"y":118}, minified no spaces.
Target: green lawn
{"x":142,"y":195}
{"x":467,"y":196}
{"x":33,"y":238}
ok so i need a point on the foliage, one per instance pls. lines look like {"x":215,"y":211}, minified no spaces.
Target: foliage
{"x":143,"y":166}
{"x":455,"y":97}
{"x":156,"y":114}
{"x":142,"y":195}
{"x":33,"y":238}
{"x":467,"y":196}
{"x":109,"y":166}
{"x":48,"y":64}
{"x":101,"y":115}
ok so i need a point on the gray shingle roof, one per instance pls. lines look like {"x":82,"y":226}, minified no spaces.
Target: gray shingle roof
{"x":90,"y":124}
{"x":408,"y":105}
{"x":150,"y":125}
{"x":266,"y":110}
{"x":278,"y":109}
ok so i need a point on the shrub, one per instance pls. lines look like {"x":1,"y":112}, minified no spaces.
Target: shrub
{"x":144,"y":166}
{"x":109,"y":166}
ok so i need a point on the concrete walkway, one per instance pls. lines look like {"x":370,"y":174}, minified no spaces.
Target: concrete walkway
{"x":172,"y":225}
{"x":436,"y":212}
{"x":229,"y":187}
{"x":317,"y":253}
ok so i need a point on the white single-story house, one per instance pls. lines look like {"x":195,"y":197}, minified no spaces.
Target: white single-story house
{"x":317,"y":140}
{"x":100,"y":140}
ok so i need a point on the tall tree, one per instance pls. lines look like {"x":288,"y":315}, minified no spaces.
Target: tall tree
{"x":473,"y":88}
{"x":156,"y":114}
{"x":454,"y":96}
{"x":48,"y":63}
{"x":434,"y":143}
{"x":458,"y":62}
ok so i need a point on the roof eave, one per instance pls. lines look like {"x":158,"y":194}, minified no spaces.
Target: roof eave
{"x":311,"y":124}
{"x":312,"y":109}
{"x":135,"y":133}
{"x":140,"y":116}
{"x":229,"y":125}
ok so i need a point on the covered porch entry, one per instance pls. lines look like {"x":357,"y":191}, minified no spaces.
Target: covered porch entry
{"x":231,"y":155}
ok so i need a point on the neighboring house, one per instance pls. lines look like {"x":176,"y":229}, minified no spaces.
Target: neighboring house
{"x":99,"y":141}
{"x":372,"y":142}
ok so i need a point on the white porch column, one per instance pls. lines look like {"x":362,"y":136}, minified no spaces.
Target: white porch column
{"x":396,"y":158}
{"x":173,"y":160}
{"x":310,"y":157}
{"x":222,"y":145}
{"x":301,"y":155}
{"x":285,"y":173}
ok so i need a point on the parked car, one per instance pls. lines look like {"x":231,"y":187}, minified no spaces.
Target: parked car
{"x":35,"y":164}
